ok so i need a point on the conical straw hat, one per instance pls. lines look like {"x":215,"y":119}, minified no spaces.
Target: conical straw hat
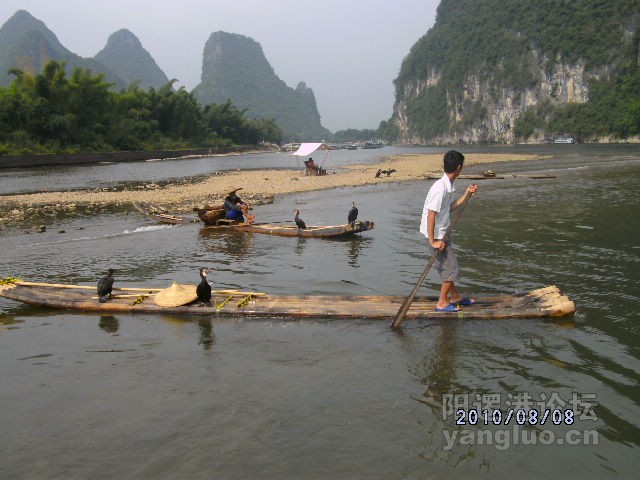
{"x":176,"y":295}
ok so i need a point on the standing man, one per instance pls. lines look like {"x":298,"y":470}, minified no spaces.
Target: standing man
{"x":433,"y":225}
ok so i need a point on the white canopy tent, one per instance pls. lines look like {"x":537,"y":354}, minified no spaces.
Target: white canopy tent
{"x":308,"y":148}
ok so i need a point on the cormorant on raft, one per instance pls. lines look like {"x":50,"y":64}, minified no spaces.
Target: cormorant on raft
{"x":353,"y":214}
{"x":203,"y":290}
{"x":299,"y":222}
{"x":105,"y":286}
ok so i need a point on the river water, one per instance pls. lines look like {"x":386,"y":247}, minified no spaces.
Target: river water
{"x":153,"y":396}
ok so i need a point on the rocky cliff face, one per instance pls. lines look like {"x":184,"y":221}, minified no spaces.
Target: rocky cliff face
{"x":234,"y":67}
{"x":486,"y":66}
{"x":125,"y":55}
{"x":565,"y":83}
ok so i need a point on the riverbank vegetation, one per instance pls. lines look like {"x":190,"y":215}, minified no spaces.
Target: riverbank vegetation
{"x":54,"y":113}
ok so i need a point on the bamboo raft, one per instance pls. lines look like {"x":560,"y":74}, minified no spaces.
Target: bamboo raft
{"x":161,"y":215}
{"x":540,"y":303}
{"x":213,"y":217}
{"x":315,"y":231}
{"x":538,"y":176}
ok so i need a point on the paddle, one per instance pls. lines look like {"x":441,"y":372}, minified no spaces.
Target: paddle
{"x":404,"y":308}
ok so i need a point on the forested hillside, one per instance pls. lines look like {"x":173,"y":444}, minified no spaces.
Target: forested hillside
{"x":53,"y":113}
{"x":515,"y":70}
{"x":240,"y":100}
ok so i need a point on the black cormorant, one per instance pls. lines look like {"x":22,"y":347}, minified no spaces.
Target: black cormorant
{"x":204,"y":289}
{"x":353,"y":214}
{"x":299,"y":222}
{"x":105,"y":286}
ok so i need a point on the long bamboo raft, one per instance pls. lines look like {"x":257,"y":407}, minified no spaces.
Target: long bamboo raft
{"x":213,"y":217}
{"x":493,"y":176}
{"x":321,"y":231}
{"x":543,"y":302}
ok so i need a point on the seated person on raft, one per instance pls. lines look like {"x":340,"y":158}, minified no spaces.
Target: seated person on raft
{"x":235,"y":208}
{"x":313,"y":169}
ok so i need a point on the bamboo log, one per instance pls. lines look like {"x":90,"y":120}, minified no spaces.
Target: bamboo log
{"x":127,"y":295}
{"x":83,"y":287}
{"x":129,"y":289}
{"x":563,"y":308}
{"x":435,"y":176}
{"x":232,"y":293}
{"x":544,"y":290}
{"x":534,"y":176}
{"x":237,"y":293}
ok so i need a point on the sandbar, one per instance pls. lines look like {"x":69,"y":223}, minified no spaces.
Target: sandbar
{"x":259,"y":186}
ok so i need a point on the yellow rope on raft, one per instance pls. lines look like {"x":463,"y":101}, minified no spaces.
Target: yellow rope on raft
{"x":140,"y":299}
{"x":8,"y":280}
{"x":244,"y":302}
{"x":221,"y":306}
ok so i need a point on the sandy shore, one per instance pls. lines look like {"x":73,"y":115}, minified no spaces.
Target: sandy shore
{"x":259,"y":187}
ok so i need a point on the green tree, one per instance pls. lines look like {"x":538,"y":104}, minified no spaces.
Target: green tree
{"x":355,"y":135}
{"x":49,"y":112}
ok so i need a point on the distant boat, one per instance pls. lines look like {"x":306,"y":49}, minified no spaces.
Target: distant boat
{"x":290,"y":147}
{"x":375,"y":144}
{"x":564,"y":139}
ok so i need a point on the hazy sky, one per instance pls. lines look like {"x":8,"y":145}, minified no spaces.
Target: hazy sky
{"x":347,"y":51}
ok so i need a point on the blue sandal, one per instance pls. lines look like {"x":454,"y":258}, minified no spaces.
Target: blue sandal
{"x":465,"y":301}
{"x":451,"y":308}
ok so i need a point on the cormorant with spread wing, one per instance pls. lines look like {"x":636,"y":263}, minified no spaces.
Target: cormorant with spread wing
{"x":105,"y":286}
{"x":353,"y":214}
